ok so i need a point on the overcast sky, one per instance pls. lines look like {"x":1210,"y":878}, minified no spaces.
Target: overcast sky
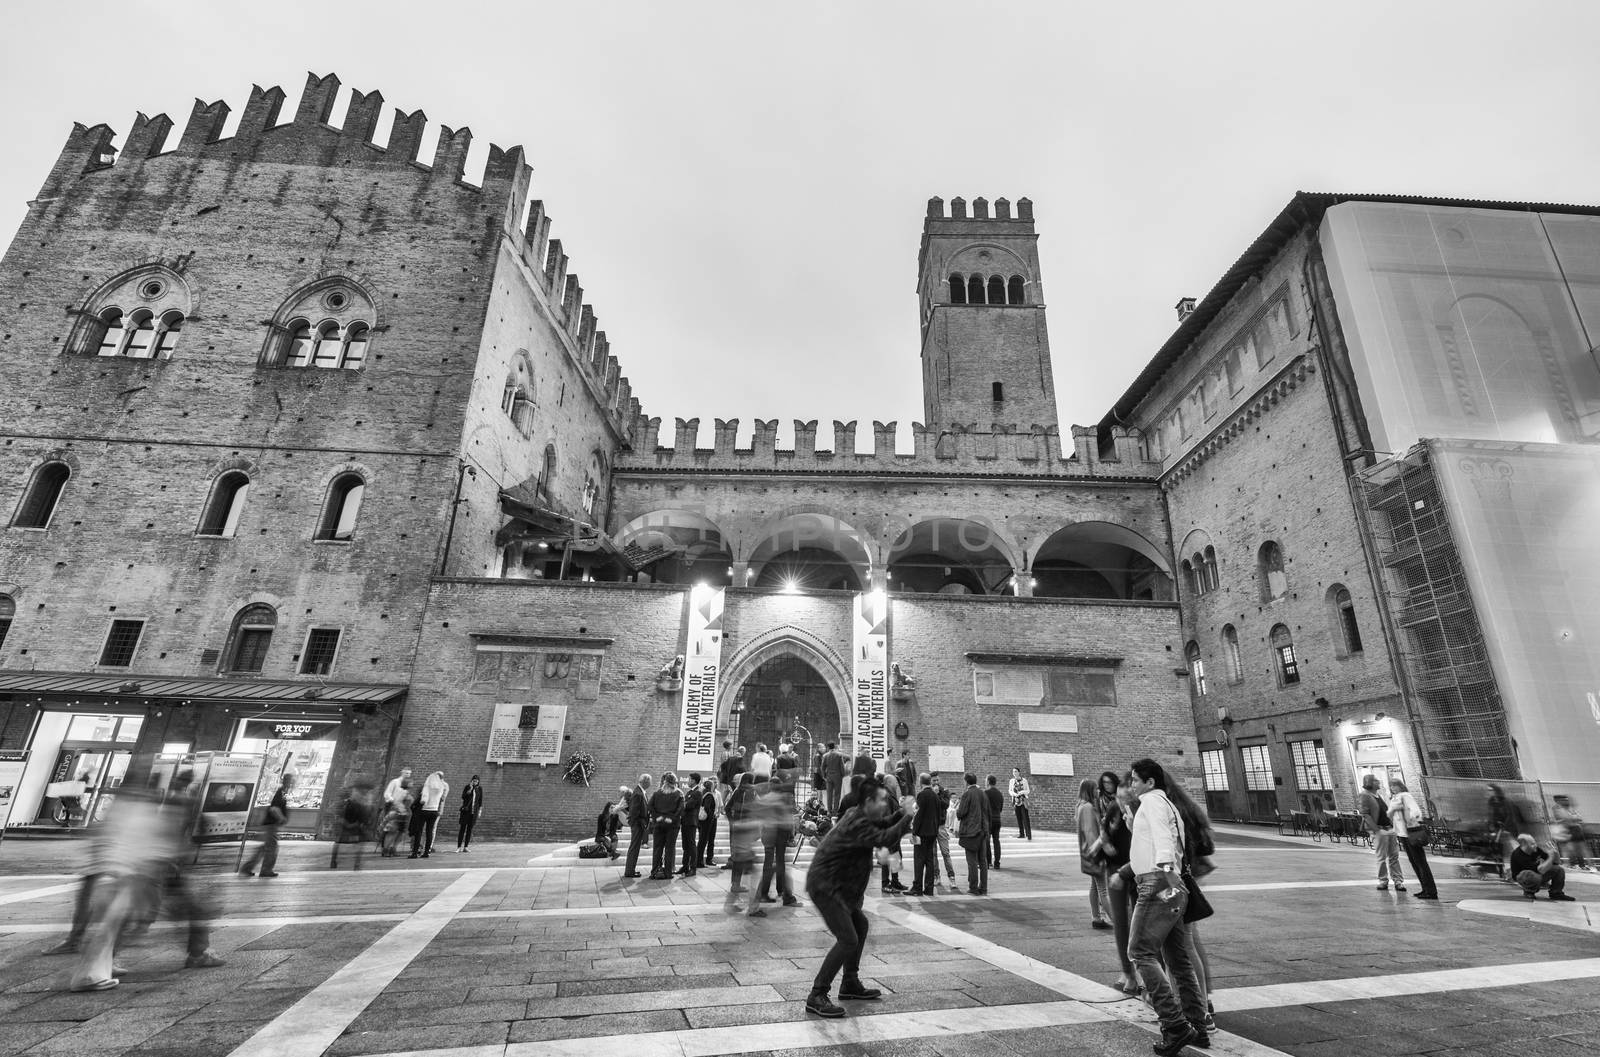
{"x":741,"y":186}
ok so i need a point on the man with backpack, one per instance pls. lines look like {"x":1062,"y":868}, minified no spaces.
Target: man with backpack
{"x":1375,"y":819}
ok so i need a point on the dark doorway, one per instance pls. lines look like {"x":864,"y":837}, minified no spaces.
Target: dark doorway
{"x":786,"y":699}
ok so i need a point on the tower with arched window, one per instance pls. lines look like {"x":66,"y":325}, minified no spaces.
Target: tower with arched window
{"x":985,"y":351}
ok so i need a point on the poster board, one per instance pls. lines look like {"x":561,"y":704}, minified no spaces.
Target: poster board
{"x":697,"y":724}
{"x":227,"y":792}
{"x":524,"y":733}
{"x":871,"y":671}
{"x":947,"y":759}
{"x":12,"y":764}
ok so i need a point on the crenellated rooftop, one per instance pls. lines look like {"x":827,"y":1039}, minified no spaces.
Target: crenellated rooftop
{"x":997,"y":449}
{"x":310,"y":139}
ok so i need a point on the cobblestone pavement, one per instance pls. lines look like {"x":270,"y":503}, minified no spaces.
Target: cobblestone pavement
{"x":526,"y":951}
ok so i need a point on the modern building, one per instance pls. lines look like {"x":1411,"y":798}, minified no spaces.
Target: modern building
{"x":316,"y":451}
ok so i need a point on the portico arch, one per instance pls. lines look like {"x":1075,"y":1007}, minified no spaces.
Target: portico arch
{"x":776,"y":645}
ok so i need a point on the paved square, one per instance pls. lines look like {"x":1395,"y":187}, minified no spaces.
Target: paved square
{"x":527,"y":952}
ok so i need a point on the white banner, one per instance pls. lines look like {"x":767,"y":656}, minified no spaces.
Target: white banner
{"x":872,"y":676}
{"x":702,"y":670}
{"x":524,"y":733}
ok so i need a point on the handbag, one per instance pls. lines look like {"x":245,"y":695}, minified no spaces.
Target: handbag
{"x":1199,"y":907}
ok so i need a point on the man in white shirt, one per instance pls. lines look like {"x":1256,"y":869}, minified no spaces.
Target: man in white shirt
{"x":391,"y":792}
{"x":1157,"y":929}
{"x":761,"y":763}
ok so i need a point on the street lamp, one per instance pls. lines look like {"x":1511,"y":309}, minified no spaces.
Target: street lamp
{"x":464,"y":471}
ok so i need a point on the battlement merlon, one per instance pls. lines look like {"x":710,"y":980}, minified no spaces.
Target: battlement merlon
{"x":307,"y":139}
{"x":997,"y":448}
{"x":955,"y":222}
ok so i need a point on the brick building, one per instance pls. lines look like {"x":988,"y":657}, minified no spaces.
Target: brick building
{"x":314,"y":450}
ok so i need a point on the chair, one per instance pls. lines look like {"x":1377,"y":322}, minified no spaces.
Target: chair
{"x":1288,"y":825}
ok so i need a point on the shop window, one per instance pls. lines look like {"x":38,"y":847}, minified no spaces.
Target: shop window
{"x":1197,"y":669}
{"x":221,"y":517}
{"x":122,"y":640}
{"x":1230,"y":654}
{"x":252,"y":634}
{"x":1260,"y":788}
{"x":1269,"y":571}
{"x":1311,"y":775}
{"x":1287,"y":665}
{"x":958,"y":290}
{"x":342,"y":507}
{"x":1214,"y":773}
{"x":1342,"y":616}
{"x":38,"y":504}
{"x":1014,"y":291}
{"x":8,"y":612}
{"x":321,"y":646}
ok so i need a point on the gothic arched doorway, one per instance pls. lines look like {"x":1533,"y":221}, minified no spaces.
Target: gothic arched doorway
{"x":785,"y":699}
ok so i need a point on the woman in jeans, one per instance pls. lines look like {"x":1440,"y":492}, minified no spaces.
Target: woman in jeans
{"x":666,"y":804}
{"x":1116,"y":841}
{"x":1090,"y":861}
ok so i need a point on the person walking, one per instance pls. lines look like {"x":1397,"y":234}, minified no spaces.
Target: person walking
{"x":731,"y":767}
{"x":761,"y":763}
{"x":837,"y":885}
{"x":397,"y":785}
{"x":355,"y":821}
{"x":689,"y":825}
{"x":973,"y":835}
{"x":1375,"y":818}
{"x":946,"y":824}
{"x":924,"y":838}
{"x":905,"y":773}
{"x":1092,"y":857}
{"x":1158,"y":932}
{"x":833,"y":770}
{"x":1117,"y":805}
{"x":776,"y":818}
{"x":710,"y":809}
{"x":743,"y":829}
{"x":996,"y":802}
{"x":471,"y":808}
{"x":1412,"y":833}
{"x":666,"y":805}
{"x":266,"y":853}
{"x":1019,"y":804}
{"x":426,"y":818}
{"x":1506,"y":821}
{"x":638,"y":823}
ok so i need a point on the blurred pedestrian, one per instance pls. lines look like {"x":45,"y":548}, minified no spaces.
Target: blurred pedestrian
{"x":1506,"y":820}
{"x":1568,"y":830}
{"x":266,"y":853}
{"x":355,"y":821}
{"x":744,"y":826}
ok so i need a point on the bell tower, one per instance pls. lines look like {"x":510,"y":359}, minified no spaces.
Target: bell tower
{"x":985,"y":353}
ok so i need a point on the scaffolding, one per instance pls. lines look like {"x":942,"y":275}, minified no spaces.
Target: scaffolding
{"x":1436,"y":629}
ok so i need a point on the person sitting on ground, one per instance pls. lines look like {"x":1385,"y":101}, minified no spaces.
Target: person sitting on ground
{"x":814,"y":818}
{"x":1533,"y":868}
{"x":607,"y":825}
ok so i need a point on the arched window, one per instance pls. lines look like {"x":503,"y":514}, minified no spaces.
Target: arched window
{"x":141,"y":336}
{"x":356,"y":337}
{"x":1269,"y":569}
{"x":112,"y":333}
{"x":1201,"y":583}
{"x":1283,"y":658}
{"x":975,"y":290}
{"x":8,"y":610}
{"x":1014,"y":291}
{"x":329,"y":345}
{"x":297,"y":349}
{"x":997,"y":290}
{"x":1189,"y":580}
{"x":1342,"y":616}
{"x":343,"y":505}
{"x":958,"y":290}
{"x":547,"y":474}
{"x":1230,"y":655}
{"x":167,"y":334}
{"x":594,"y":487}
{"x":252,"y":634}
{"x":341,"y":340}
{"x":44,"y":491}
{"x":1197,"y":669}
{"x":221,"y":517}
{"x":1212,"y":579}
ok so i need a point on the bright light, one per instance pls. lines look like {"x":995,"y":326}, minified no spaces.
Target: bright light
{"x":791,"y":587}
{"x":700,"y":585}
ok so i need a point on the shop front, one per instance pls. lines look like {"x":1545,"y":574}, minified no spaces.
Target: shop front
{"x":88,"y":735}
